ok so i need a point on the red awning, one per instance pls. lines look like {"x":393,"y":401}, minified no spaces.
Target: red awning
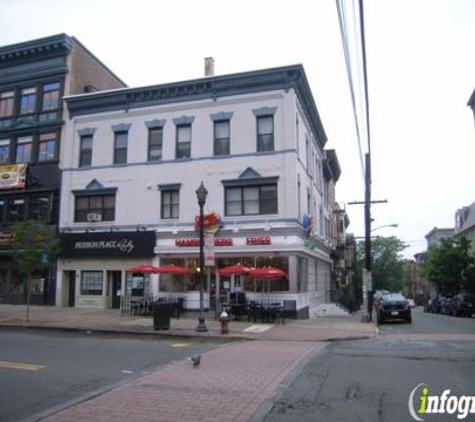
{"x":234,"y":270}
{"x":144,"y":269}
{"x":268,"y":273}
{"x":172,"y":269}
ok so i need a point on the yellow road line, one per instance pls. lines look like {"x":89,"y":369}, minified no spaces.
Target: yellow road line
{"x":24,"y":366}
{"x":180,"y":344}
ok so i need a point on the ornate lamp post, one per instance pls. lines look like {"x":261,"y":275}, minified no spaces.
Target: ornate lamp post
{"x":201,"y":194}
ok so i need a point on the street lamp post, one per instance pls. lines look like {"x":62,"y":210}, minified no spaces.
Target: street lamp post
{"x":386,"y":225}
{"x":201,"y":194}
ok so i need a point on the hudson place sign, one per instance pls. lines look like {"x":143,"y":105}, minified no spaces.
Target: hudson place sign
{"x":108,"y":244}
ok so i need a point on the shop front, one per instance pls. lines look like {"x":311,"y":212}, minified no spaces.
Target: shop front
{"x":276,"y":250}
{"x":92,"y":268}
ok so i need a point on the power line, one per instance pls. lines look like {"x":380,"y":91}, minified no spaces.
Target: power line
{"x":342,"y":19}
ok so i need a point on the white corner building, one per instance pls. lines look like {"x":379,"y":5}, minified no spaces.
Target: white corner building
{"x":133,"y":159}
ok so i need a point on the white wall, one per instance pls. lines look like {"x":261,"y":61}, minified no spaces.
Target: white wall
{"x":138,"y":198}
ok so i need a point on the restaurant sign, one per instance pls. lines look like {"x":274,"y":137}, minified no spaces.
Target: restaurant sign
{"x":262,"y":240}
{"x":220,"y":241}
{"x":13,"y":176}
{"x":107,"y":244}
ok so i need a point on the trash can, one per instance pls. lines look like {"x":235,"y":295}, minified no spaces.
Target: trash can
{"x":162,"y":313}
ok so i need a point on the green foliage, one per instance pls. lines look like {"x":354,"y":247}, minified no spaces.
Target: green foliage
{"x":450,"y":267}
{"x":34,"y":247}
{"x":387,"y":263}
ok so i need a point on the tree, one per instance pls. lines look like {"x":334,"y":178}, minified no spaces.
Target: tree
{"x":387,"y":263}
{"x":34,"y":249}
{"x":450,"y":267}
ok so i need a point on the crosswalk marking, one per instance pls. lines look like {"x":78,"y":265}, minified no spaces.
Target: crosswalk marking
{"x":23,"y":366}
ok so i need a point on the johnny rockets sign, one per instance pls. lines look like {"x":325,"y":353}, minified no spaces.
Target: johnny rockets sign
{"x":223,"y":241}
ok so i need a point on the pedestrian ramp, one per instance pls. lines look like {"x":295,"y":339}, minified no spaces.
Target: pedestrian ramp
{"x":257,"y":328}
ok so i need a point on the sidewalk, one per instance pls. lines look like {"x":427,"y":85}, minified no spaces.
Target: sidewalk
{"x":100,"y":320}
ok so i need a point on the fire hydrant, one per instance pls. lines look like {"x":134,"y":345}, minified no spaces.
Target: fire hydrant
{"x":224,"y":320}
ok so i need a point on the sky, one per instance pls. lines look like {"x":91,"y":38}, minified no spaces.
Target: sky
{"x":421,"y":73}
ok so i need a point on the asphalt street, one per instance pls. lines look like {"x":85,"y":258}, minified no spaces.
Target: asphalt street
{"x":371,"y":380}
{"x":43,"y":370}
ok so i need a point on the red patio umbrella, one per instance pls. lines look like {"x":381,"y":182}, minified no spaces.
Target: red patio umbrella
{"x":172,"y":269}
{"x":268,"y":273}
{"x":234,"y":270}
{"x":145,"y":269}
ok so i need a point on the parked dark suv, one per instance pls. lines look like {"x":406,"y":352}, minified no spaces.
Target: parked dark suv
{"x":463,"y":304}
{"x":393,"y":306}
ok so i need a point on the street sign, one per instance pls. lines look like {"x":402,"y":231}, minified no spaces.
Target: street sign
{"x":209,"y":250}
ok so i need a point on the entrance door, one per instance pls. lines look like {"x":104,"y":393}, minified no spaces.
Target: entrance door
{"x":116,"y":277}
{"x":71,"y":277}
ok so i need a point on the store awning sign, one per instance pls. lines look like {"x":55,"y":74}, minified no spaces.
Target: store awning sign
{"x":108,"y":244}
{"x":13,"y":176}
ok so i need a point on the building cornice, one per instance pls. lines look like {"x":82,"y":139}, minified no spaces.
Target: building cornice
{"x":289,"y":77}
{"x":56,"y":45}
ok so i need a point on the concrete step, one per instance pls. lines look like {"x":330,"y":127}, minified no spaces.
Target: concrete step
{"x":328,"y":310}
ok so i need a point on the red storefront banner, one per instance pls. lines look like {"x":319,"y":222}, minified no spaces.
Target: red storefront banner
{"x":222,"y":241}
{"x":262,"y":240}
{"x":13,"y":176}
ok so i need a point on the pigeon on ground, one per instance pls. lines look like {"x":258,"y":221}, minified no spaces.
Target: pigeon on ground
{"x":196,"y":360}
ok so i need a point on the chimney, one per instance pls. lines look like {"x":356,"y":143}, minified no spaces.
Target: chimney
{"x":209,"y":66}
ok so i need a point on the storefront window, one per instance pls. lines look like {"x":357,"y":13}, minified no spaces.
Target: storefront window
{"x":138,"y":285}
{"x":91,"y":283}
{"x":302,"y":274}
{"x":3,"y":281}
{"x":181,"y":283}
{"x":249,"y":283}
{"x":16,"y":284}
{"x":37,"y":285}
{"x":191,"y":282}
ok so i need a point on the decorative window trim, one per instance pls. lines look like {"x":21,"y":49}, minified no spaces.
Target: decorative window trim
{"x":170,"y":186}
{"x":184,"y":120}
{"x":264,"y":111}
{"x":156,"y":123}
{"x":94,"y":187}
{"x":250,"y":181}
{"x":88,"y":131}
{"x":222,"y":115}
{"x":95,"y":192}
{"x":121,"y":127}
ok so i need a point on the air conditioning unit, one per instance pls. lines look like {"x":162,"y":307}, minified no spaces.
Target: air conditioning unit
{"x":94,"y":216}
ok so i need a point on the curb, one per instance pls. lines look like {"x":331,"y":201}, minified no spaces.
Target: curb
{"x":157,"y":334}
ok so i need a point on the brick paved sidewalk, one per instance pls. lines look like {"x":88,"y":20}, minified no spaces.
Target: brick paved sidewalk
{"x":229,"y":385}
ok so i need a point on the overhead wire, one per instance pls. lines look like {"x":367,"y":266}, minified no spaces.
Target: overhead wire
{"x":343,"y":22}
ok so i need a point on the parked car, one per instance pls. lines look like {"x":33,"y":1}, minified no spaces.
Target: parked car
{"x":378,"y":294}
{"x":463,"y":304}
{"x":428,"y":306}
{"x":446,"y":308}
{"x":411,"y":303}
{"x":437,"y":304}
{"x":393,"y":306}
